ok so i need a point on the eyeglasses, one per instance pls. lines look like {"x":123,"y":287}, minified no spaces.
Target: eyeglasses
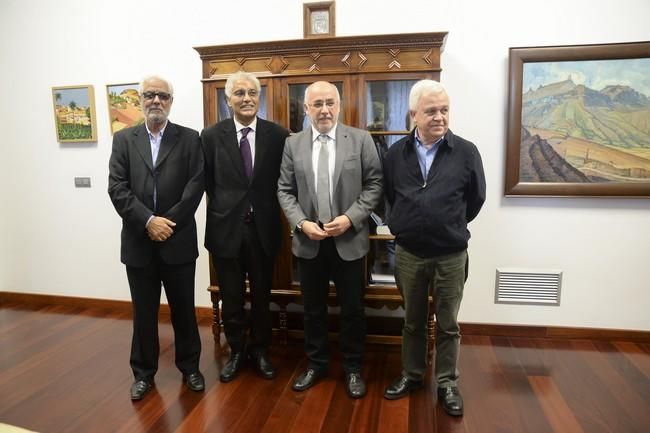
{"x":320,"y":104}
{"x":163,"y":96}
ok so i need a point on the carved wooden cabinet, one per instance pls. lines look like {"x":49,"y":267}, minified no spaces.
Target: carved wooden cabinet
{"x":374,"y":75}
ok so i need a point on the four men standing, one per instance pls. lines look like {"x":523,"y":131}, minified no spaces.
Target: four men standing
{"x":328,"y":178}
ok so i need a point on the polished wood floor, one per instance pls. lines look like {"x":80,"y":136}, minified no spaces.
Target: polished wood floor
{"x":65,"y":369}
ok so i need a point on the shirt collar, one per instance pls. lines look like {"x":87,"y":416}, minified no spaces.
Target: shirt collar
{"x":331,"y":133}
{"x":418,"y":142}
{"x":252,"y":126}
{"x":162,"y":130}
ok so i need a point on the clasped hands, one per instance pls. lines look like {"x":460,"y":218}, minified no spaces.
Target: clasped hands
{"x":336,"y":227}
{"x":160,"y":229}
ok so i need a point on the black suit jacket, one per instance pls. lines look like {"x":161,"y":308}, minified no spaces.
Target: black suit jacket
{"x":229,"y":192}
{"x":179,"y":178}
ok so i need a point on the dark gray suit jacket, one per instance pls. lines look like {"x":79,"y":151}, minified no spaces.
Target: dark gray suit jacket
{"x":178,"y":176}
{"x":356,"y":189}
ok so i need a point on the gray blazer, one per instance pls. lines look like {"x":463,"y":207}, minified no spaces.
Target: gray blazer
{"x":357,"y":189}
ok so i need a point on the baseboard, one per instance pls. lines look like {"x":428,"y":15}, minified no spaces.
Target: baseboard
{"x":114,"y":306}
{"x":390,"y":326}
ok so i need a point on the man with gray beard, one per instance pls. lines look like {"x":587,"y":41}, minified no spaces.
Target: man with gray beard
{"x":156,"y":183}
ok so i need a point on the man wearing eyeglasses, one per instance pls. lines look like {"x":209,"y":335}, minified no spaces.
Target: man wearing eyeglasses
{"x":330,"y":181}
{"x":243,"y":229}
{"x":156,"y":182}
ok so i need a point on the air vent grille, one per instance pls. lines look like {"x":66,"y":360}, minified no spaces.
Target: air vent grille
{"x":528,"y":286}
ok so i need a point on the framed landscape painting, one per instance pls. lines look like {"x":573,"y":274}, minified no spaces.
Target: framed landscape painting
{"x":124,"y":108}
{"x":579,"y":121}
{"x":74,"y":113}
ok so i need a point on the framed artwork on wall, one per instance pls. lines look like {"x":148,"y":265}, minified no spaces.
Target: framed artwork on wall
{"x":319,"y":20}
{"x":74,"y":113}
{"x":579,"y":121}
{"x":124,"y":109}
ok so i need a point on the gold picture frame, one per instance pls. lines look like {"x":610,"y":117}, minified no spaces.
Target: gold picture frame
{"x":74,"y":113}
{"x":319,"y":20}
{"x":124,"y":109}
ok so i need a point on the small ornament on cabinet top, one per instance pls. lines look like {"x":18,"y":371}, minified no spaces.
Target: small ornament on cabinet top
{"x":319,"y":20}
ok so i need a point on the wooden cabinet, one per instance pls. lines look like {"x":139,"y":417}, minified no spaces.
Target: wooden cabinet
{"x":374,"y":75}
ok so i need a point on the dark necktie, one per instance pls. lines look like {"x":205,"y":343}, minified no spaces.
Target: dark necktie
{"x":245,"y":149}
{"x":323,"y":182}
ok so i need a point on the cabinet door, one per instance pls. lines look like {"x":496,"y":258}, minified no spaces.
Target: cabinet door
{"x":384,"y":112}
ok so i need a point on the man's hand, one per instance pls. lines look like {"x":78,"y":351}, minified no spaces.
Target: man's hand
{"x":337,"y":226}
{"x":160,"y":229}
{"x":313,"y":231}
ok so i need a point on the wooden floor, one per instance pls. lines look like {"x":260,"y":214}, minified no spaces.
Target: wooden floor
{"x":64,"y":369}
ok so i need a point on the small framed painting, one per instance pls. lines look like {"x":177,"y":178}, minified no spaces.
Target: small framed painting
{"x":124,"y":109}
{"x":74,"y":113}
{"x":319,"y":20}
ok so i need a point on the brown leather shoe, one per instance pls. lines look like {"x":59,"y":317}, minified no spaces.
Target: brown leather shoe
{"x":451,"y":400}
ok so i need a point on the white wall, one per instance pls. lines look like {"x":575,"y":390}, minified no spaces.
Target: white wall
{"x":56,"y":239}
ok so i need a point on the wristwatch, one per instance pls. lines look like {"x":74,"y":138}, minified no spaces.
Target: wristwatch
{"x":299,"y":225}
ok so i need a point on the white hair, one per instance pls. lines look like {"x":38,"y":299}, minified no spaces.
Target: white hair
{"x":159,"y":78}
{"x":241,"y":75}
{"x":308,"y":89}
{"x":421,"y":88}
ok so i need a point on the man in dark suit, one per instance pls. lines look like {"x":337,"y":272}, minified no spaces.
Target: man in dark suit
{"x":156,"y":183}
{"x":243,"y":231}
{"x":330,"y":181}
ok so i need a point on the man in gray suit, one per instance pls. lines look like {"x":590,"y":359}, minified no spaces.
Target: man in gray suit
{"x":330,"y":181}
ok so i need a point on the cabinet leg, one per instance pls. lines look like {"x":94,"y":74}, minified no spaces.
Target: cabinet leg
{"x":284,"y":331}
{"x":216,"y":317}
{"x":431,"y":337}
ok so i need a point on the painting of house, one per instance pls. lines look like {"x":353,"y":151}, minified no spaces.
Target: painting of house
{"x":124,"y":108}
{"x":74,"y":113}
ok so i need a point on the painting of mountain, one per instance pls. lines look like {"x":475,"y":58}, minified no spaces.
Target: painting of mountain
{"x":586,"y":121}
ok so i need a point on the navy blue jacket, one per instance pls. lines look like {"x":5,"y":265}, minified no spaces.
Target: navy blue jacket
{"x":429,"y":217}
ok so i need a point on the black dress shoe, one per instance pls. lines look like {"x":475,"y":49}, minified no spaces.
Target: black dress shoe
{"x":355,"y":385}
{"x":263,"y":365}
{"x":195,"y":381}
{"x":401,"y":387}
{"x":139,"y":389}
{"x":307,"y":380}
{"x":232,"y":367}
{"x":451,"y":400}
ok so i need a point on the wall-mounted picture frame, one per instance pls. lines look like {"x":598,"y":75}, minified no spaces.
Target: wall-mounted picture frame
{"x":578,"y":121}
{"x":74,"y":113}
{"x":319,"y":20}
{"x":124,"y":109}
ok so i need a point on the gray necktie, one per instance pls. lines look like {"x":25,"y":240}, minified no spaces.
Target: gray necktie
{"x":323,"y":186}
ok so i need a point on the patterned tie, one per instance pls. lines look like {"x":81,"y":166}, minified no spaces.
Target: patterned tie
{"x":245,"y":149}
{"x":323,"y":182}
